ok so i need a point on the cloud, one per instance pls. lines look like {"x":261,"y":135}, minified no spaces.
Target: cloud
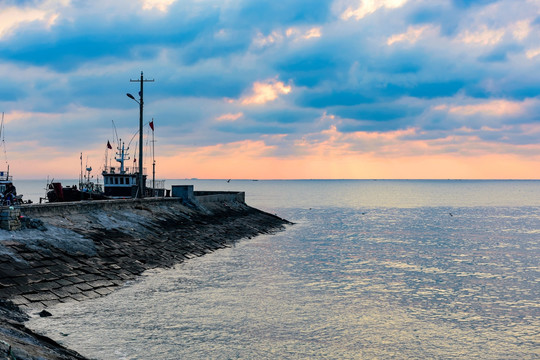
{"x":265,"y":91}
{"x":482,"y":36}
{"x":272,"y":38}
{"x":13,"y":17}
{"x":292,"y":33}
{"x":312,"y":33}
{"x":410,"y":142}
{"x":486,"y":36}
{"x":366,"y":7}
{"x":532,"y":53}
{"x":412,"y":35}
{"x":161,"y":5}
{"x":303,"y":34}
{"x":492,"y":107}
{"x":521,"y":29}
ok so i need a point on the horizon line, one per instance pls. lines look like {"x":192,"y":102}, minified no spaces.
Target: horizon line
{"x":318,"y":179}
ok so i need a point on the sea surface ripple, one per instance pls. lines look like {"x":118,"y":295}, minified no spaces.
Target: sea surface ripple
{"x":431,"y":270}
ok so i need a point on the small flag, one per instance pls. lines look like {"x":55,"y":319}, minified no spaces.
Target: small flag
{"x":151,"y":124}
{"x":109,"y":145}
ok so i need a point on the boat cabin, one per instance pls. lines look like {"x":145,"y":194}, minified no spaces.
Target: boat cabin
{"x":121,"y":184}
{"x":5,"y":179}
{"x":122,"y":181}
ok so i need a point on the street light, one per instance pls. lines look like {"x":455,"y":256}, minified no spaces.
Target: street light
{"x":141,"y":186}
{"x":140,"y":102}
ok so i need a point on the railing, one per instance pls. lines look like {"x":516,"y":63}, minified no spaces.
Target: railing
{"x":160,"y":184}
{"x":5,"y":177}
{"x":127,"y":170}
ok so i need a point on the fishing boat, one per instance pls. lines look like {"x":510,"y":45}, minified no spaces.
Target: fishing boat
{"x":121,"y":181}
{"x":87,"y":189}
{"x":8,"y":192}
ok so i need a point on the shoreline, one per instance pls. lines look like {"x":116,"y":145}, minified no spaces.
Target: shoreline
{"x":79,"y":251}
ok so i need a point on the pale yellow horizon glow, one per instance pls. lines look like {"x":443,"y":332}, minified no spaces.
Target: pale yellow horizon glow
{"x":363,"y":166}
{"x":253,"y":160}
{"x":368,"y":166}
{"x":326,"y":154}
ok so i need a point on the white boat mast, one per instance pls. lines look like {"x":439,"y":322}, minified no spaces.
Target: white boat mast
{"x":121,"y":156}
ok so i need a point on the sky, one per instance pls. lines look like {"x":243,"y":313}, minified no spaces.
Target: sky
{"x":266,"y":89}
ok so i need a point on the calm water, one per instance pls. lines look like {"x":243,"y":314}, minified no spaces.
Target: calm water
{"x":371,"y":269}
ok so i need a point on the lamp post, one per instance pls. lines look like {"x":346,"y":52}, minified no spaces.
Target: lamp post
{"x":141,"y":104}
{"x":140,"y":193}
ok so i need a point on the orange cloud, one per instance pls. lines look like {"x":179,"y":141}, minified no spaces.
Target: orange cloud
{"x":230,"y":117}
{"x":264,"y":92}
{"x":336,"y":155}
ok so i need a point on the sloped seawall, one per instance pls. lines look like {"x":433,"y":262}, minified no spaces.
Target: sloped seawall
{"x":79,"y":251}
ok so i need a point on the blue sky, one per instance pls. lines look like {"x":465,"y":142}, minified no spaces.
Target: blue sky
{"x":269,"y":89}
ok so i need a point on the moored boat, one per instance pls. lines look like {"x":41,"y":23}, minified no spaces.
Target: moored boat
{"x":122,"y":181}
{"x":87,"y":189}
{"x":8,"y":192}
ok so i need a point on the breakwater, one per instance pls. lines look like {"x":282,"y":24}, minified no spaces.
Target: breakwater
{"x":79,"y":251}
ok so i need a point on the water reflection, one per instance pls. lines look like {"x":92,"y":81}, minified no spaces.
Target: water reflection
{"x":384,"y":283}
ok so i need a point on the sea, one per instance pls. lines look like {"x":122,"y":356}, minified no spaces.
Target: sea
{"x":370,"y":269}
